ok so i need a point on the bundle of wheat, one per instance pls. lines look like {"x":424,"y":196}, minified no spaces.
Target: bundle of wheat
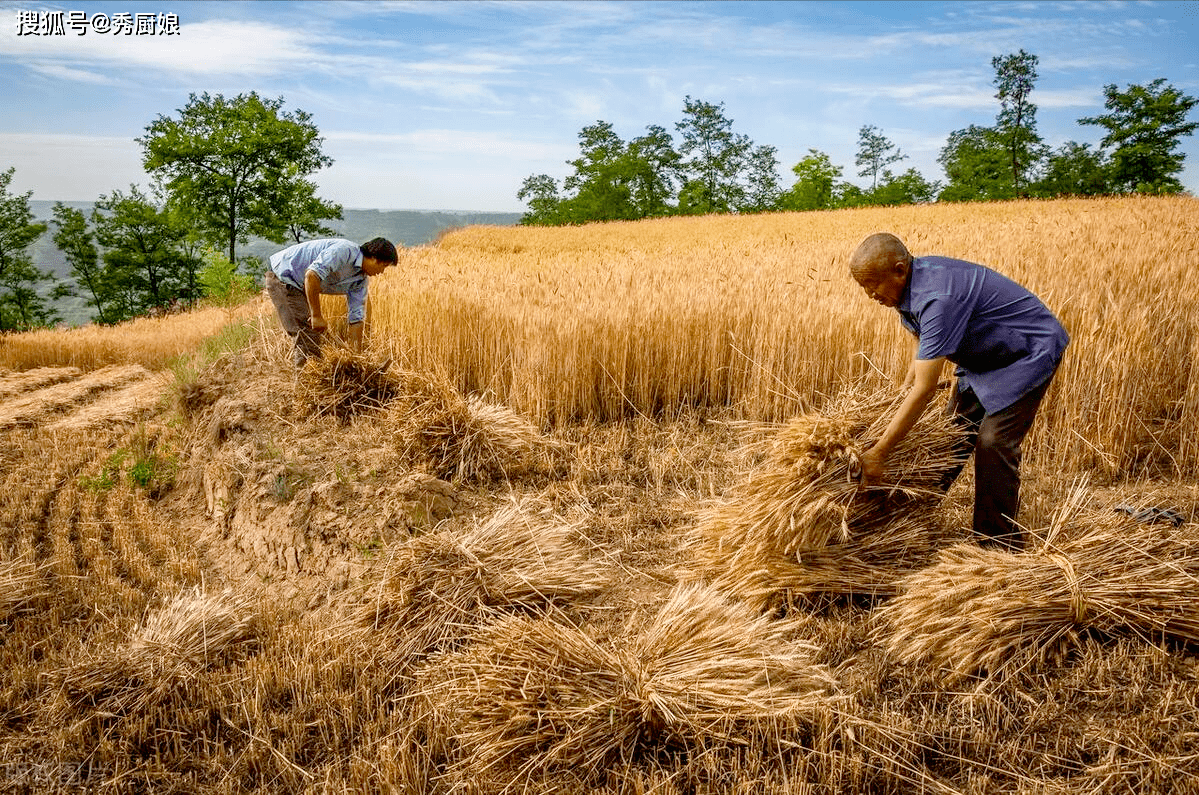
{"x":457,"y":437}
{"x":193,"y":631}
{"x":436,"y":588}
{"x":21,"y":583}
{"x":342,"y":383}
{"x":532,"y":698}
{"x":980,"y":610}
{"x":801,"y":522}
{"x":431,"y":423}
{"x":869,"y":565}
{"x":805,"y":495}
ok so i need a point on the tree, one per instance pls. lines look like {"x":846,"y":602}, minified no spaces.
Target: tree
{"x":655,"y":169}
{"x":145,"y":259}
{"x":976,"y":162}
{"x":813,"y":188}
{"x":1016,"y":125}
{"x":540,"y":192}
{"x":910,"y":187}
{"x":602,"y":178}
{"x":231,"y":161}
{"x":21,"y":306}
{"x":874,"y":153}
{"x":75,"y":239}
{"x":304,"y":210}
{"x":1144,"y":125}
{"x":717,"y":155}
{"x":1074,"y":169}
{"x":762,"y":188}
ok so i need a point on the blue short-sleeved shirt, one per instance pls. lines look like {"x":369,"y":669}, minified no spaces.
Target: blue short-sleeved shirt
{"x":1004,"y":341}
{"x":339,"y":264}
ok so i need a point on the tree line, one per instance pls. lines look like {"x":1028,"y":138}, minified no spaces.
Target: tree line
{"x":222,"y":170}
{"x":714,"y":169}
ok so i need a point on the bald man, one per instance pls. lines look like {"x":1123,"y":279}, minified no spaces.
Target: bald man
{"x":1006,"y":345}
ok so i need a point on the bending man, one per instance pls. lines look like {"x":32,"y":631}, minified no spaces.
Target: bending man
{"x":299,"y":275}
{"x":1007,"y":346}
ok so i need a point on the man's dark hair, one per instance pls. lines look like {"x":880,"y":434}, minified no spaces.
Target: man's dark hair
{"x":381,"y":249}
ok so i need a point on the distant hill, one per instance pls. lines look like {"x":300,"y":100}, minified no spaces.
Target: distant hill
{"x":402,"y":227}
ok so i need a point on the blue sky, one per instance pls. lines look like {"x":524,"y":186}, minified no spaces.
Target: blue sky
{"x":451,"y":104}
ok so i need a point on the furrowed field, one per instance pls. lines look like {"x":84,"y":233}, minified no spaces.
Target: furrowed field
{"x":559,"y":530}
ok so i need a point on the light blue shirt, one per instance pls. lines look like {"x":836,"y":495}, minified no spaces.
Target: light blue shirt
{"x":339,"y":264}
{"x":1004,"y":341}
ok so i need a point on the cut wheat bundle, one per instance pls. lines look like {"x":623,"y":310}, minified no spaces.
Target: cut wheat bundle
{"x":435,"y":589}
{"x":343,"y":383}
{"x":870,"y":565}
{"x":800,"y":522}
{"x":427,"y":418}
{"x":467,"y":438}
{"x":805,"y":496}
{"x":984,"y":610}
{"x":530,"y":698}
{"x":193,"y":631}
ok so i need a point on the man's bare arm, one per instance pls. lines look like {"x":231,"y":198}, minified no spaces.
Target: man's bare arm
{"x":312,"y":291}
{"x":925,"y":375}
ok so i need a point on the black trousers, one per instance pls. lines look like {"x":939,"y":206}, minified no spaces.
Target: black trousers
{"x":995,"y":440}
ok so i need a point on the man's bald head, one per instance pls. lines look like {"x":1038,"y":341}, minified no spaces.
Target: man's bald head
{"x":881,"y":266}
{"x":878,"y":255}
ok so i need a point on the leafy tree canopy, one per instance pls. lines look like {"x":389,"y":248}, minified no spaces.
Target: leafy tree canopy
{"x":21,"y":305}
{"x":1144,"y":124}
{"x":236,"y":163}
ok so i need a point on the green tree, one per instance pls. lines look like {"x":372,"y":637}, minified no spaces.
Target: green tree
{"x":1016,"y":125}
{"x":875,"y":154}
{"x":910,"y":187}
{"x":21,"y":306}
{"x":230,"y":160}
{"x":763,"y":191}
{"x":1144,"y":125}
{"x":540,"y":192}
{"x":76,"y":240}
{"x":145,"y":260}
{"x":715,"y":156}
{"x":602,"y":178}
{"x":1073,"y":169}
{"x":816,"y":177}
{"x":304,"y":210}
{"x":220,"y":281}
{"x":976,"y":163}
{"x":655,"y":169}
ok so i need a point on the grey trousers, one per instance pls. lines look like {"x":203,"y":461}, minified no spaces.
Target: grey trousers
{"x":295,"y":316}
{"x":995,"y":440}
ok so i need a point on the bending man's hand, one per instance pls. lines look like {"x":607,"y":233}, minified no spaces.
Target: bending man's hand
{"x":925,"y":373}
{"x":312,"y":292}
{"x":873,"y":464}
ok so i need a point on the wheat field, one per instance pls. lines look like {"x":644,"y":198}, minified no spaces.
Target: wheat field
{"x":479,"y":574}
{"x":759,"y":313}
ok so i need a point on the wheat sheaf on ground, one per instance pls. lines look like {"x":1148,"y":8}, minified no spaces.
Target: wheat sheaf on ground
{"x":424,"y":416}
{"x":532,"y":699}
{"x":192,"y":631}
{"x":802,"y":521}
{"x":987,"y":611}
{"x":435,"y":589}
